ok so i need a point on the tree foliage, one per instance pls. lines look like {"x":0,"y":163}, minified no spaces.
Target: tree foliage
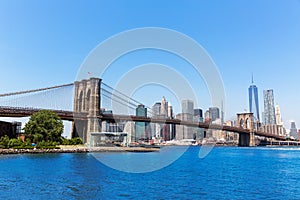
{"x":73,"y":141}
{"x":44,"y":125}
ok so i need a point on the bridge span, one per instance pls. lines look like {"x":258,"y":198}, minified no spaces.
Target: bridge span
{"x":69,"y":116}
{"x":86,"y":110}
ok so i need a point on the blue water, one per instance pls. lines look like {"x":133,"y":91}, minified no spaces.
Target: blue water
{"x":226,"y":173}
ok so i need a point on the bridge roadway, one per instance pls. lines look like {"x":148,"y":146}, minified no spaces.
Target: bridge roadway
{"x":69,"y":115}
{"x":110,"y":117}
{"x":26,"y":112}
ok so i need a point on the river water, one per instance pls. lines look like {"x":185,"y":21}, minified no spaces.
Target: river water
{"x":225,"y":173}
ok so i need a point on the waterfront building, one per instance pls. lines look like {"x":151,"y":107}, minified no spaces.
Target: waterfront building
{"x":11,"y":129}
{"x":269,"y":108}
{"x":112,"y":127}
{"x":129,"y":128}
{"x":294,"y":131}
{"x":253,"y":101}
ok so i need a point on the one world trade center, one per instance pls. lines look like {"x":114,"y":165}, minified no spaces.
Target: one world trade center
{"x":253,"y":101}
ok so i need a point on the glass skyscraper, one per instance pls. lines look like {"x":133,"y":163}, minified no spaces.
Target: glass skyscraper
{"x":253,"y":101}
{"x":140,"y":127}
{"x":270,"y":117}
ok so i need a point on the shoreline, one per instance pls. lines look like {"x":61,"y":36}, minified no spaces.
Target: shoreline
{"x":78,"y":149}
{"x":103,"y":149}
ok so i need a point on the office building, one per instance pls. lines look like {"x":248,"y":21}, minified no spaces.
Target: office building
{"x":278,"y":115}
{"x":269,"y":108}
{"x":170,"y":111}
{"x":187,"y":106}
{"x":164,"y":107}
{"x":11,"y":129}
{"x":214,"y":113}
{"x":207,"y":116}
{"x":198,"y":117}
{"x":163,"y":110}
{"x":184,"y":132}
{"x":294,"y":131}
{"x":140,"y":127}
{"x":156,"y":109}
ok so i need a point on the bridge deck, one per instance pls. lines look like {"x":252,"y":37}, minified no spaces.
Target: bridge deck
{"x":69,"y":115}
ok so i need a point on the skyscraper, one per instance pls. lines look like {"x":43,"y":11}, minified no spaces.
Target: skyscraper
{"x":170,"y":111}
{"x":164,"y":107}
{"x":187,"y":106}
{"x":253,"y":101}
{"x":214,"y":113}
{"x":184,"y":132}
{"x":293,"y":130}
{"x":198,"y":115}
{"x":140,"y":127}
{"x":269,"y":107}
{"x":163,"y":111}
{"x":156,"y":109}
{"x":278,"y":115}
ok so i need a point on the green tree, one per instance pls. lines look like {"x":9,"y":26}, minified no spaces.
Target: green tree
{"x":44,"y":125}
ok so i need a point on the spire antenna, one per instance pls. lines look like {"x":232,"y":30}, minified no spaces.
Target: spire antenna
{"x":252,"y":79}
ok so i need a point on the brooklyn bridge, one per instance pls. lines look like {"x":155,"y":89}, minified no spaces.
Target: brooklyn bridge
{"x":81,"y":104}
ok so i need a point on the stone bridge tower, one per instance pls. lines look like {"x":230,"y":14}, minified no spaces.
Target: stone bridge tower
{"x":246,"y":121}
{"x":86,"y":108}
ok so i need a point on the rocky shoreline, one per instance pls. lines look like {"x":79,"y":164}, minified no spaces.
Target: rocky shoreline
{"x":39,"y":151}
{"x":78,"y":150}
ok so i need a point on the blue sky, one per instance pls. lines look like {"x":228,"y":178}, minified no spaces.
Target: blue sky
{"x":43,"y":43}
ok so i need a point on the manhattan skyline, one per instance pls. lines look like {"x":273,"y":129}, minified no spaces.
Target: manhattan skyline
{"x":44,"y":44}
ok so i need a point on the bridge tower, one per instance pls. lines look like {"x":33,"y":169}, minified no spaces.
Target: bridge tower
{"x":246,"y":121}
{"x":86,"y":108}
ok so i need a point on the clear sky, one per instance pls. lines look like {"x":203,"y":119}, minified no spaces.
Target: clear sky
{"x":43,"y":43}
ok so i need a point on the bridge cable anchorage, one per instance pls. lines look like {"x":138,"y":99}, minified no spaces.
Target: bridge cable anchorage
{"x":125,"y":95}
{"x":35,"y":90}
